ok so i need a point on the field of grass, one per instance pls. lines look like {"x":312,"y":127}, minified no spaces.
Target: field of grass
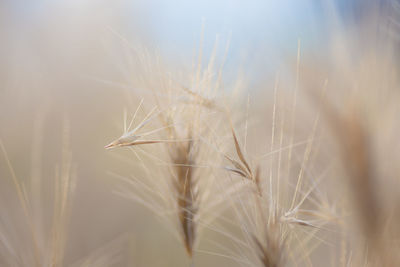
{"x":118,"y":151}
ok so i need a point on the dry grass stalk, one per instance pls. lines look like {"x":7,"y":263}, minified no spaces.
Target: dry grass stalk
{"x":132,"y":137}
{"x":269,"y":243}
{"x":271,"y":220}
{"x":181,"y":149}
{"x":356,"y":152}
{"x":47,"y":225}
{"x":183,"y":160}
{"x":48,"y":245}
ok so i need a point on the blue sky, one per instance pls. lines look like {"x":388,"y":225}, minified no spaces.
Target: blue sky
{"x":260,"y":30}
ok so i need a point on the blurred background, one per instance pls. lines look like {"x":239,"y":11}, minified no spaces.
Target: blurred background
{"x":70,"y":62}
